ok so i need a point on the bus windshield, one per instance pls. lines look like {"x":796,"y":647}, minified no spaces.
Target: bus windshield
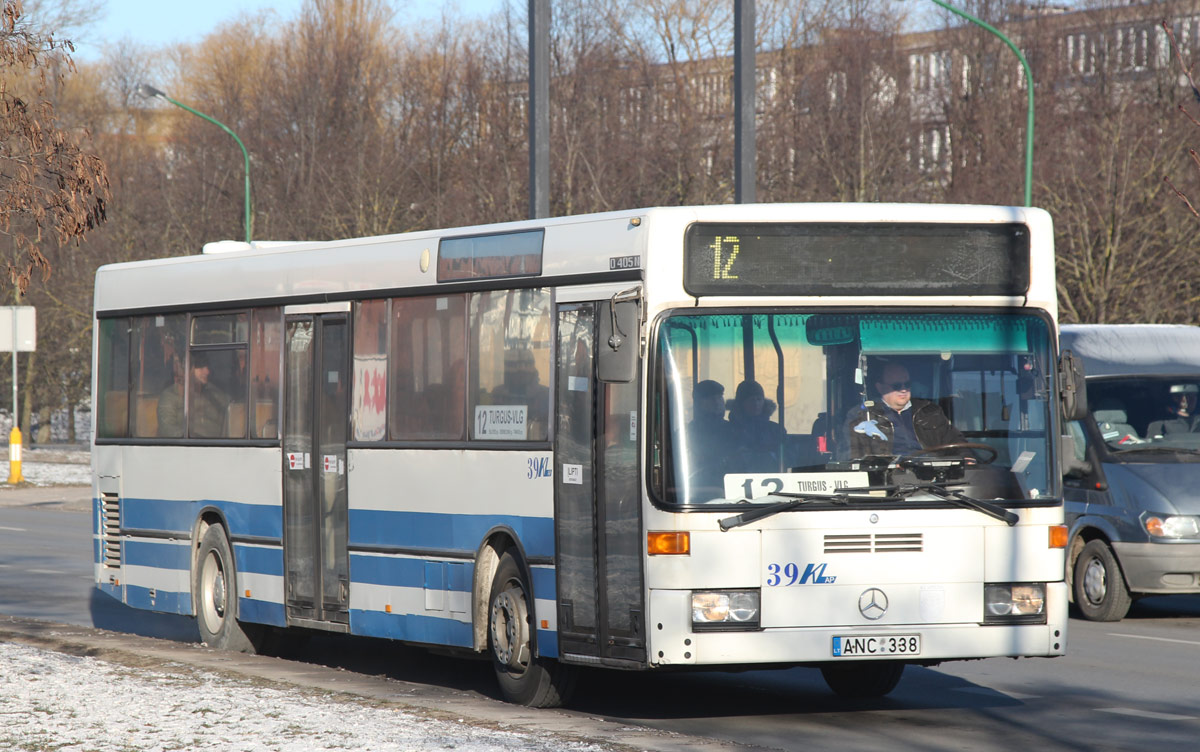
{"x":751,"y":404}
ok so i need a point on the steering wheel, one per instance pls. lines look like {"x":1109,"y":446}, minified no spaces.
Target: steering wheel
{"x":915,"y":458}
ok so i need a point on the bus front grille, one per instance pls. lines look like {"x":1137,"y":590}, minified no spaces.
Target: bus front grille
{"x":874,"y":543}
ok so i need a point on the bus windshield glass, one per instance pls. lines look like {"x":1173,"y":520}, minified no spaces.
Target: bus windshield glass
{"x":753,"y":404}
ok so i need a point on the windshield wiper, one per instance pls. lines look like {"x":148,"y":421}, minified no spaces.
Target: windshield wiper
{"x":797,"y":500}
{"x":846,"y":494}
{"x":959,"y":498}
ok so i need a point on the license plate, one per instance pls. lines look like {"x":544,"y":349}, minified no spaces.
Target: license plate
{"x":847,"y":646}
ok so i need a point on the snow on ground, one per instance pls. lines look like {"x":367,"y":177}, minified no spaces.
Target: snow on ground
{"x":50,"y":700}
{"x":52,"y":467}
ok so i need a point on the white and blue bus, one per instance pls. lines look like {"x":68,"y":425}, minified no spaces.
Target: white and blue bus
{"x":627,"y":439}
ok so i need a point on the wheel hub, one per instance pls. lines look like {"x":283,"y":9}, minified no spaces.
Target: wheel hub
{"x":1095,"y":584}
{"x":509,"y":628}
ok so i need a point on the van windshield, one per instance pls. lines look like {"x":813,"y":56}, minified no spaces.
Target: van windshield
{"x":750,"y":404}
{"x":1140,"y":413}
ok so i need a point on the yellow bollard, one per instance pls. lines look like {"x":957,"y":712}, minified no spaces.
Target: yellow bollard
{"x":14,"y":456}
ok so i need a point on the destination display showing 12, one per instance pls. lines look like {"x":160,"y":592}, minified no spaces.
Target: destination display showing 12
{"x":848,"y":258}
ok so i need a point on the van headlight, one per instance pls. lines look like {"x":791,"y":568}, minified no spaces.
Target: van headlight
{"x":1171,"y":526}
{"x":724,"y":610}
{"x":1014,"y":603}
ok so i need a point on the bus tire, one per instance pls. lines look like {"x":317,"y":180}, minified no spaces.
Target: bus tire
{"x":523,"y":679}
{"x":864,"y":679}
{"x":215,"y":587}
{"x":1098,"y":585}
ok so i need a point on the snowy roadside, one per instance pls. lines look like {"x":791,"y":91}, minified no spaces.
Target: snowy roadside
{"x":52,"y":467}
{"x":51,"y":700}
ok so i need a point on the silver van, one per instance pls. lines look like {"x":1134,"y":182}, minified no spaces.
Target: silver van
{"x":1133,"y":495}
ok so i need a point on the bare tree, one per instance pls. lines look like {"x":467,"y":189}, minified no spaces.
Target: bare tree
{"x":49,"y":186}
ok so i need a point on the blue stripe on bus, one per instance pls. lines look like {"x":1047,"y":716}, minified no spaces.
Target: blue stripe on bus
{"x":262,"y":612}
{"x":157,"y":554}
{"x":259,"y":560}
{"x":547,"y":643}
{"x":412,"y":627}
{"x":175,"y":516}
{"x":164,"y":601}
{"x":446,"y":532}
{"x":544,"y":585}
{"x":395,"y":571}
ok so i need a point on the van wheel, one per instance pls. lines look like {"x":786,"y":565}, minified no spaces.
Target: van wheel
{"x":523,"y":678}
{"x":1098,"y":585}
{"x":215,"y":589}
{"x":863,"y":680}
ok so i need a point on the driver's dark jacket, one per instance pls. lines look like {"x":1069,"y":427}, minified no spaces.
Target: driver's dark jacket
{"x":932,"y":427}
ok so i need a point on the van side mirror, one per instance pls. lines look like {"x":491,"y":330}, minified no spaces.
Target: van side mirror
{"x":620,"y":338}
{"x":1072,"y":388}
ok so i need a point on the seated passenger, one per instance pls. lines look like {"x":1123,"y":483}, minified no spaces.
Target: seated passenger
{"x":899,"y":423}
{"x":1181,"y":409}
{"x":709,"y":439}
{"x":206,"y":410}
{"x":753,"y":429}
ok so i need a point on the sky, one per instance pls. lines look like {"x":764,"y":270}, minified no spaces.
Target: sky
{"x":160,"y":23}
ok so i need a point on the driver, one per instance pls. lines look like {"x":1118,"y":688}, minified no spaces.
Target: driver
{"x":898,"y":424}
{"x":1181,"y":412}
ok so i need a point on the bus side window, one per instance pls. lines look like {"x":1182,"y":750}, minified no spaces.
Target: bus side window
{"x":113,"y":378}
{"x":157,"y":365}
{"x":266,"y":359}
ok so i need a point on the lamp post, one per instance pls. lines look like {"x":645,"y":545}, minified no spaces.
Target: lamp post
{"x":1028,"y":87}
{"x":149,"y":92}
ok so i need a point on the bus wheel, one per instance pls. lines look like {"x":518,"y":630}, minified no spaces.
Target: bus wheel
{"x":524,"y":679}
{"x":1099,"y":588}
{"x":863,"y":680}
{"x":216,"y":595}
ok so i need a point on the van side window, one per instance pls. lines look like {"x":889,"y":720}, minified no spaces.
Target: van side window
{"x":1080,"y":439}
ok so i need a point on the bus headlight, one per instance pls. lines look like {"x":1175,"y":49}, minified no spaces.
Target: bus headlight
{"x":1014,"y":603}
{"x":1178,"y":526}
{"x":724,"y":609}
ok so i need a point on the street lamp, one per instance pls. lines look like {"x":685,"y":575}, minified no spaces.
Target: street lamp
{"x":1028,"y":87}
{"x":149,"y":92}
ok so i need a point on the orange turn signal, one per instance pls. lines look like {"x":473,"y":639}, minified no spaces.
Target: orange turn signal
{"x":1058,"y":536}
{"x":668,"y":543}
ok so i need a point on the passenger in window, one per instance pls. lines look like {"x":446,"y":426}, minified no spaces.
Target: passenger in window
{"x":206,"y":410}
{"x":710,"y":439}
{"x":752,"y":427}
{"x":522,"y":386}
{"x":207,"y":406}
{"x":899,"y":423}
{"x":1180,"y":410}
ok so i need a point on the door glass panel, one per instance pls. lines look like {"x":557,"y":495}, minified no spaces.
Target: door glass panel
{"x":575,"y":516}
{"x":297,"y":446}
{"x":618,"y":490}
{"x":334,"y":404}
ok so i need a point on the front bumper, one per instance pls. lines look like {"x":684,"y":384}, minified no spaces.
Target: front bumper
{"x":1161,"y":568}
{"x":672,"y":642}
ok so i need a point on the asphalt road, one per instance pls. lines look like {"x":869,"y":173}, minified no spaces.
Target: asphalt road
{"x":1123,"y":686}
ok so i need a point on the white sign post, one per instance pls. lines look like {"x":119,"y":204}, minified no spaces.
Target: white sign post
{"x":18,"y":333}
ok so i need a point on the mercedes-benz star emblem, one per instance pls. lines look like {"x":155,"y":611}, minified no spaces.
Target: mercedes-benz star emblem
{"x":873,"y":603}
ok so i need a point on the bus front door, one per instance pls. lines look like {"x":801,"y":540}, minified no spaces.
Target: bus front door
{"x":597,"y":501}
{"x":317,"y":577}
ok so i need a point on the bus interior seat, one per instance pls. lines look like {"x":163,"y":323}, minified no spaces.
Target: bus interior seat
{"x":146,"y":415}
{"x":264,"y":419}
{"x":1114,"y":424}
{"x":116,"y":413}
{"x":235,"y":420}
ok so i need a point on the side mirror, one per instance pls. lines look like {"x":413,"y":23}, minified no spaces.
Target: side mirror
{"x":1072,"y":388}
{"x":620,"y":339}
